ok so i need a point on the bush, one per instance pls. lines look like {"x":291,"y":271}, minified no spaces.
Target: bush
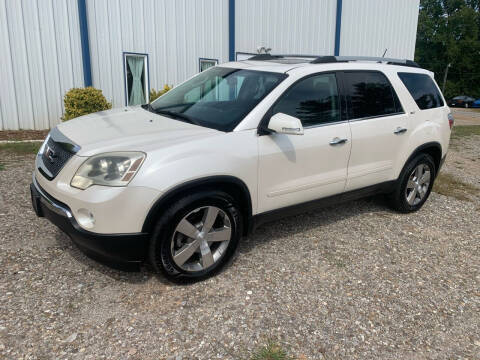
{"x":154,"y":94}
{"x":83,"y":101}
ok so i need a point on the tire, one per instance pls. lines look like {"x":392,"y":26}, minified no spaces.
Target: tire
{"x":410,"y":194}
{"x":183,"y":258}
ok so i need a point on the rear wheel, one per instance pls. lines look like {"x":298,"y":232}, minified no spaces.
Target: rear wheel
{"x":414,"y":184}
{"x":196,"y":236}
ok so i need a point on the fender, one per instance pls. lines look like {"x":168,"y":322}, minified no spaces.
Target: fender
{"x":230,"y":184}
{"x":433,"y":148}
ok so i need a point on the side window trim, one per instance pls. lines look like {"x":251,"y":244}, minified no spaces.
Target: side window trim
{"x":263,"y":124}
{"x":377,"y":116}
{"x":348,"y":104}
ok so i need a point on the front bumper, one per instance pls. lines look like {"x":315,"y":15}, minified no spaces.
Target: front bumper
{"x":112,"y":248}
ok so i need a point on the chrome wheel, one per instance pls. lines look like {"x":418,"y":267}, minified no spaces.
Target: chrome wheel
{"x":418,"y":184}
{"x":201,"y":238}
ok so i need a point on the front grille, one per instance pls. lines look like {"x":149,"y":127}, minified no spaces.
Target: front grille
{"x":55,"y":157}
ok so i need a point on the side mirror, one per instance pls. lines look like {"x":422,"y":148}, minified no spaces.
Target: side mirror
{"x":285,"y":124}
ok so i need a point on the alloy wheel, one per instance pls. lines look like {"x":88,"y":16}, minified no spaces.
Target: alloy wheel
{"x":418,"y":184}
{"x":201,"y":238}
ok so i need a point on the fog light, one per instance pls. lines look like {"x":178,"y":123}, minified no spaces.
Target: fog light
{"x":85,"y":218}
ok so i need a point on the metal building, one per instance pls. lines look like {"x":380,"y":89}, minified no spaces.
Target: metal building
{"x":126,"y":47}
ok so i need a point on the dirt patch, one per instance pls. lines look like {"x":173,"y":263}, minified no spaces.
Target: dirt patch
{"x":466,"y":116}
{"x":17,"y":135}
{"x":448,"y":185}
{"x":462,"y":167}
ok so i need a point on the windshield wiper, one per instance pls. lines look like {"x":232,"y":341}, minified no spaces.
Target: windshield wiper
{"x":175,"y":115}
{"x":148,"y":107}
{"x":169,"y":113}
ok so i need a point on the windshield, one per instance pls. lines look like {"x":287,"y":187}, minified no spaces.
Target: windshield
{"x":218,"y":98}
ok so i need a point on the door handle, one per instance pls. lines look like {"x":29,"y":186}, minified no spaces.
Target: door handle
{"x":338,"y":141}
{"x":400,"y":130}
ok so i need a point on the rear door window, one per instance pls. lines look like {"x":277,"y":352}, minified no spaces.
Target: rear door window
{"x":423,"y":90}
{"x":369,"y":94}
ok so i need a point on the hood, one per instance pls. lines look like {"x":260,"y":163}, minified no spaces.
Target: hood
{"x":129,"y":129}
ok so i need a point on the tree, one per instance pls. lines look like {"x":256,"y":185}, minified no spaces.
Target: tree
{"x":449,"y":33}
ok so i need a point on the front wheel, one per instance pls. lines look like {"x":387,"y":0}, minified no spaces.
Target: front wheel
{"x":414,"y":184}
{"x":196,"y":236}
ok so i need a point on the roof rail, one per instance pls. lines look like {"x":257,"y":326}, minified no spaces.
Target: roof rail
{"x":334,"y":59}
{"x":274,"y":57}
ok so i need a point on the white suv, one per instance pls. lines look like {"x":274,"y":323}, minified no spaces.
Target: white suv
{"x":181,"y":180}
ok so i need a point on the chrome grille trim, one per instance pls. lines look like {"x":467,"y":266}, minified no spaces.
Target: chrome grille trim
{"x":56,"y":153}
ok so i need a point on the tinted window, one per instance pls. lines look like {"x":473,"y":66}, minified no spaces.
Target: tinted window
{"x":370,"y":94}
{"x":313,"y":100}
{"x":423,"y":90}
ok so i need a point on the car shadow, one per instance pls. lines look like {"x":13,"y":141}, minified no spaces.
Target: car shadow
{"x":133,"y":274}
{"x":312,"y":220}
{"x":264,"y":233}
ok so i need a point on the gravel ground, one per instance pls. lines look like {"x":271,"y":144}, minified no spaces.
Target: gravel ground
{"x":354,"y":281}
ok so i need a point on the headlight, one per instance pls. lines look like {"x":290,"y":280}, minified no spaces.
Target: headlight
{"x":109,"y":169}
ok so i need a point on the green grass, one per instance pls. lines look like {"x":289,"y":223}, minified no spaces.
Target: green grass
{"x":449,"y":185}
{"x":2,"y":167}
{"x":468,"y":130}
{"x":21,"y":147}
{"x":271,"y":351}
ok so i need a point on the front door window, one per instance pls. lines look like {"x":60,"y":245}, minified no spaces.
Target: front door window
{"x":314,"y":100}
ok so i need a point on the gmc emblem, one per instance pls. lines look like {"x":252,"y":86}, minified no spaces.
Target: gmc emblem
{"x":49,"y":154}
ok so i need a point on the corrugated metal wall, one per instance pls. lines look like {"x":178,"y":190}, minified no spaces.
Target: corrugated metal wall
{"x":371,"y":26}
{"x":174,"y":34}
{"x":40,"y":60}
{"x":286,"y":26}
{"x":41,"y":56}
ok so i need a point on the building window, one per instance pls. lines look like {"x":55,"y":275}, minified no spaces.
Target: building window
{"x":239,"y":56}
{"x":136,"y":78}
{"x":207,"y":63}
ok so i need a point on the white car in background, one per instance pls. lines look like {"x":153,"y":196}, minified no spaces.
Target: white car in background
{"x":179,"y":181}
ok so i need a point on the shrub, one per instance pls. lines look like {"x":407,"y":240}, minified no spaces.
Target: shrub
{"x":154,"y":94}
{"x":83,"y":101}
